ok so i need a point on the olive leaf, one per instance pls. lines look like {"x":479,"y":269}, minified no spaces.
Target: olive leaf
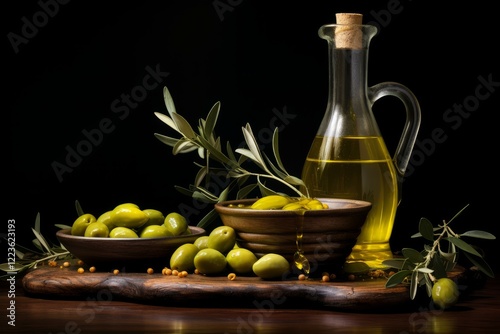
{"x":79,"y":210}
{"x":209,"y":124}
{"x":184,"y":190}
{"x":398,"y":278}
{"x":231,"y":155}
{"x":244,"y":191}
{"x":295,"y":181}
{"x":14,"y":267}
{"x":183,"y":126}
{"x":412,"y":255}
{"x":479,"y":262}
{"x":395,"y":263}
{"x":169,"y":101}
{"x":208,"y":219}
{"x":19,"y":254}
{"x":62,"y":226}
{"x":426,"y":229}
{"x":425,"y":270}
{"x":167,"y":120}
{"x":478,"y":234}
{"x":41,"y":240}
{"x":413,"y":284}
{"x":462,"y":245}
{"x":279,"y":172}
{"x":448,"y":257}
{"x":183,"y":145}
{"x":253,"y":146}
{"x":276,"y":150}
{"x":428,"y":285}
{"x":37,"y":222}
{"x":249,"y":154}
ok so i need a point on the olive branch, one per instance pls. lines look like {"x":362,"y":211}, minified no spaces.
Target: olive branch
{"x":28,"y":258}
{"x":209,"y":148}
{"x":437,"y":258}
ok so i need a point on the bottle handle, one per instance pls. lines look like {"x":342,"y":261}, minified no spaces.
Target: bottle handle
{"x":412,"y":124}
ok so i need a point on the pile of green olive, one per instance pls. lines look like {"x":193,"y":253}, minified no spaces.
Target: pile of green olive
{"x":127,"y":220}
{"x":219,"y":252}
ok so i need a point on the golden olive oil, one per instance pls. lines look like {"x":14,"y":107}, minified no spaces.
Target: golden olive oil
{"x":299,"y":259}
{"x":357,"y":168}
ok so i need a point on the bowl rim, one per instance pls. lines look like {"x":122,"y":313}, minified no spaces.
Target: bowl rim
{"x":356,"y":206}
{"x":65,"y":234}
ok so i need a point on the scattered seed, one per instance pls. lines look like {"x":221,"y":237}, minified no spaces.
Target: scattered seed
{"x":377,"y":273}
{"x":116,"y":271}
{"x":150,"y":271}
{"x":231,"y":276}
{"x":80,"y":262}
{"x":325,"y":278}
{"x":92,"y":269}
{"x":81,"y":270}
{"x":175,"y":272}
{"x":66,"y":264}
{"x":302,"y":277}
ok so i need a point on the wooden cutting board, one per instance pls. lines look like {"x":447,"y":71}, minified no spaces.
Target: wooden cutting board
{"x":202,"y":291}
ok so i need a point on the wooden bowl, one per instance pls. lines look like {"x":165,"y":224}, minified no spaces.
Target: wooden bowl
{"x":129,"y":252}
{"x":328,"y":235}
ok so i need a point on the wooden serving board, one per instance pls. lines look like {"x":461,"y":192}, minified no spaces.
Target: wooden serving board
{"x":203,"y":291}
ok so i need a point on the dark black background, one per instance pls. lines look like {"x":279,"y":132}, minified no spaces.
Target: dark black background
{"x":254,"y":57}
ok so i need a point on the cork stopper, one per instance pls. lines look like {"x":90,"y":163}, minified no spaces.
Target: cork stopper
{"x":348,"y":34}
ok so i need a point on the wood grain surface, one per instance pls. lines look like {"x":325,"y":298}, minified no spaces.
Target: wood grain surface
{"x":362,"y":295}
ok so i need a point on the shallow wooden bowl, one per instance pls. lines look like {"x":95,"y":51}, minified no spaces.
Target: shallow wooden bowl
{"x":328,"y":235}
{"x":132,"y":252}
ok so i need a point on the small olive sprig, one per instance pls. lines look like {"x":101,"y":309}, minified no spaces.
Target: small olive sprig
{"x":209,"y":149}
{"x":437,"y":258}
{"x":27,"y":258}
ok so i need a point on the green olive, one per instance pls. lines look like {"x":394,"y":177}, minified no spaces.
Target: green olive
{"x":156,"y":217}
{"x":222,"y":238}
{"x":154,"y":231}
{"x":445,"y":293}
{"x":210,"y":261}
{"x":183,"y":257}
{"x":176,"y":223}
{"x":97,"y":230}
{"x":201,"y":242}
{"x":127,"y":205}
{"x":271,"y":266}
{"x":241,"y":260}
{"x":81,"y":223}
{"x":106,"y":219}
{"x":128,"y":216}
{"x":122,"y":232}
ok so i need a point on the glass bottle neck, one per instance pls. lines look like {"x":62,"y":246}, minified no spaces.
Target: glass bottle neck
{"x":348,"y":111}
{"x":347,"y":78}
